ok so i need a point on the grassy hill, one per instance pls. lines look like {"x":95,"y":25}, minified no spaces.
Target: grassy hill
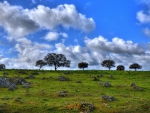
{"x":50,"y":95}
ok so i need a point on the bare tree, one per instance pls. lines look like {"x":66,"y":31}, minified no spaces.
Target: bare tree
{"x":58,"y":60}
{"x":135,"y":66}
{"x":83,"y":65}
{"x":108,"y":64}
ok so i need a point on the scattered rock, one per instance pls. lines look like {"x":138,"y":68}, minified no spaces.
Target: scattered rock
{"x":86,"y":107}
{"x":107,"y":84}
{"x":6,"y":83}
{"x":133,"y":85}
{"x":62,"y":93}
{"x":95,"y":79}
{"x":44,"y":78}
{"x":62,"y":78}
{"x":30,"y":77}
{"x":108,"y":98}
{"x":11,"y":83}
{"x":111,"y":77}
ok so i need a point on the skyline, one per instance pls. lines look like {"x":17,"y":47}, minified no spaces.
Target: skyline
{"x":84,"y":31}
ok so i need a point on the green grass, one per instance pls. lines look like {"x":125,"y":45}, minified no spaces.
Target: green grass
{"x":43,"y":97}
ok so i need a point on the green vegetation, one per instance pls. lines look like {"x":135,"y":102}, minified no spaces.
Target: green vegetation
{"x":49,"y":95}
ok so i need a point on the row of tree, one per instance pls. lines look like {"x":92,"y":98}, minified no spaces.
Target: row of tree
{"x":59,"y":60}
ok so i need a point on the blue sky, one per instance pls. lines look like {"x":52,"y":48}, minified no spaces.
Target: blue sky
{"x":89,"y":31}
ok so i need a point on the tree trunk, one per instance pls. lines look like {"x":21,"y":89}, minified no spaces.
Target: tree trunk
{"x":135,"y":69}
{"x":55,"y":68}
{"x":83,"y":68}
{"x":109,"y":68}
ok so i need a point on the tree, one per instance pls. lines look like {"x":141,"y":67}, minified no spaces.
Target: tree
{"x":120,"y":68}
{"x":58,"y":60}
{"x":2,"y":67}
{"x":108,"y":63}
{"x":135,"y":66}
{"x":83,"y":65}
{"x":40,"y":63}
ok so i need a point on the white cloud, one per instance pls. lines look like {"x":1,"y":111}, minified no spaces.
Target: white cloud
{"x":14,"y":21}
{"x":54,"y":36}
{"x":117,"y":45}
{"x":51,"y":36}
{"x":64,"y":35}
{"x":142,"y":17}
{"x":65,"y":15}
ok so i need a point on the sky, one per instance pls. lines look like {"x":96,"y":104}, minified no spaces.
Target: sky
{"x":83,"y":30}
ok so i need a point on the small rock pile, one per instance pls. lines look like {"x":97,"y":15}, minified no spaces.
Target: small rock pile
{"x":135,"y":87}
{"x":108,"y":98}
{"x":11,"y":83}
{"x":6,"y":83}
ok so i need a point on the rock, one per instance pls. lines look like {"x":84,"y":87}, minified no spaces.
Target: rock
{"x":86,"y":107}
{"x":30,"y":77}
{"x":107,"y":84}
{"x":62,"y":93}
{"x":111,"y":77}
{"x":133,"y":85}
{"x":12,"y":86}
{"x":62,"y":78}
{"x":108,"y":98}
{"x":6,"y":83}
{"x":26,"y":85}
{"x":95,"y":79}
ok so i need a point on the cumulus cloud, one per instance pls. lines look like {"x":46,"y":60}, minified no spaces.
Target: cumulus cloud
{"x":116,"y":46}
{"x":54,"y":36}
{"x":142,"y":17}
{"x":14,"y":21}
{"x":65,"y":15}
{"x":51,"y":36}
{"x":76,"y":54}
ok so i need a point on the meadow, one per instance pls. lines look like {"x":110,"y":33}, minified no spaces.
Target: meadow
{"x":50,"y":95}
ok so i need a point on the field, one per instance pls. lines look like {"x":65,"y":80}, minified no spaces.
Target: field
{"x":50,"y":95}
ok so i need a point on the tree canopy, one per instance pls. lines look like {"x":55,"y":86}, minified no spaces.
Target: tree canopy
{"x":2,"y":67}
{"x":108,"y":64}
{"x":135,"y":66}
{"x":120,"y":68}
{"x":58,"y":60}
{"x":83,"y":65}
{"x":40,"y":63}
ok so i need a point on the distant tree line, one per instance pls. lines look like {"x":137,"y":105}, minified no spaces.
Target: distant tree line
{"x":59,"y":60}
